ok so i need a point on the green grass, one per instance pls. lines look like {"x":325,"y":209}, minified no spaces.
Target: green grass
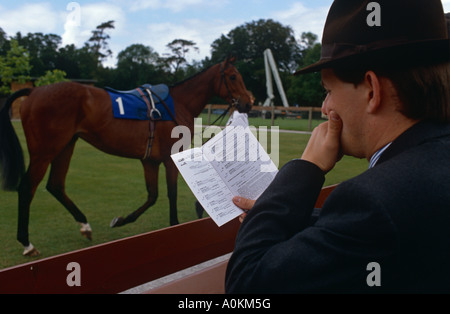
{"x":105,"y":187}
{"x":283,"y":124}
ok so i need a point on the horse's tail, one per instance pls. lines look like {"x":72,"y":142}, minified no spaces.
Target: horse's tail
{"x":12,"y":165}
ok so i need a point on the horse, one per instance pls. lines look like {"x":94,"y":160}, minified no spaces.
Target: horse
{"x":54,"y":117}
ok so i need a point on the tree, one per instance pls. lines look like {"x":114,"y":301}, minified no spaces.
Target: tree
{"x":99,"y":42}
{"x":175,"y":61}
{"x":43,"y":50}
{"x":3,"y":42}
{"x":14,"y":66}
{"x":77,"y":63}
{"x":46,"y":54}
{"x":248,"y":43}
{"x":137,"y":65}
{"x":51,"y":77}
{"x":138,"y":54}
{"x":306,"y":90}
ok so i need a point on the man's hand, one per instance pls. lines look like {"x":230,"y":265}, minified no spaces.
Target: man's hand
{"x":324,"y":147}
{"x":244,"y":204}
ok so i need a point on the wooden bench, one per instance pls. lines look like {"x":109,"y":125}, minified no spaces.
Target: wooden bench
{"x":124,"y":264}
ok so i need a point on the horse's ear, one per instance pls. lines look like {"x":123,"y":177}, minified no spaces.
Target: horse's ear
{"x":230,"y":60}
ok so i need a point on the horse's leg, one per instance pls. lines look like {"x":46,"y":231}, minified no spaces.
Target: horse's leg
{"x":172,"y":186}
{"x":151,"y":170}
{"x":199,"y":209}
{"x":57,"y":187}
{"x":27,"y":189}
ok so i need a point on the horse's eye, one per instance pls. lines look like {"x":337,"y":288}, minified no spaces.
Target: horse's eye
{"x":233,"y":77}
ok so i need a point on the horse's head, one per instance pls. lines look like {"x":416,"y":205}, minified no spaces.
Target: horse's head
{"x":231,"y":87}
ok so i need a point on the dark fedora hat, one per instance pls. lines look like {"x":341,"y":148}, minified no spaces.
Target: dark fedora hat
{"x":384,"y":30}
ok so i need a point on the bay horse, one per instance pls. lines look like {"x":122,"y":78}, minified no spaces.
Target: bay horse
{"x":54,"y":117}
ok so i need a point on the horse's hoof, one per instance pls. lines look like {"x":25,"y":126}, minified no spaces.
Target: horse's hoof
{"x":117,"y":222}
{"x":31,"y":251}
{"x":86,"y":231}
{"x":87,"y":235}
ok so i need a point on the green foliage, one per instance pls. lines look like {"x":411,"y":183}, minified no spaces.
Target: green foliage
{"x":248,"y":42}
{"x":307,"y":89}
{"x":175,"y":61}
{"x":42,"y":50}
{"x":77,"y":63}
{"x":99,"y":42}
{"x":51,"y":77}
{"x":139,"y":64}
{"x":14,"y":66}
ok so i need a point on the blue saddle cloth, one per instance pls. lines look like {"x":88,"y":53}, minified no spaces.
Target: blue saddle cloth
{"x":131,"y":104}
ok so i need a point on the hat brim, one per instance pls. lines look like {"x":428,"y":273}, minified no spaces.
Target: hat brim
{"x":315,"y":67}
{"x":412,"y":53}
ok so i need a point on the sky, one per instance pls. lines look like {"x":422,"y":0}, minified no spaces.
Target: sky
{"x":156,"y":23}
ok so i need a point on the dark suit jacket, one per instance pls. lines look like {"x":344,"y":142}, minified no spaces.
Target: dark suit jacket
{"x":396,"y":214}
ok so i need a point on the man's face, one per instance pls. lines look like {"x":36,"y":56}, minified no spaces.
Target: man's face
{"x":349,"y":102}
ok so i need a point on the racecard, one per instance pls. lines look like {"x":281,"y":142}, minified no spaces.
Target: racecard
{"x":233,"y":163}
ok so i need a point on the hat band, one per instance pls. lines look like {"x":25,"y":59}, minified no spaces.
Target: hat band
{"x":337,"y":51}
{"x":342,"y":50}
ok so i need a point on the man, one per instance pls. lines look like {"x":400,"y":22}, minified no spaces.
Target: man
{"x":385,"y":68}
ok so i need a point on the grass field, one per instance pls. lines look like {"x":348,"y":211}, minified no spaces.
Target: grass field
{"x":284,"y":124}
{"x":105,"y":187}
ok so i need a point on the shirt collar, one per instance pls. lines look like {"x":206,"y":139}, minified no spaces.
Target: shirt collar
{"x":377,"y":155}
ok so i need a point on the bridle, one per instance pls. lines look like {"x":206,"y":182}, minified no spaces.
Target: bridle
{"x":233,"y":101}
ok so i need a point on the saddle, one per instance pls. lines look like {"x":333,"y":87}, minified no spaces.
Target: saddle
{"x":161,"y":90}
{"x":146,"y":102}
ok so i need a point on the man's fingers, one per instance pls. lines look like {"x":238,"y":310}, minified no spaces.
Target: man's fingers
{"x":243,"y":203}
{"x":324,"y":147}
{"x":242,"y":217}
{"x":334,"y":131}
{"x":335,"y":124}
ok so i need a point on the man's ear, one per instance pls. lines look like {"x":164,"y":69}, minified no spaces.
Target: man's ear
{"x":373,"y":84}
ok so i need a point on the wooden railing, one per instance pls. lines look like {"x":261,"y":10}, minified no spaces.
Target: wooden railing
{"x":286,"y":112}
{"x":121,"y":265}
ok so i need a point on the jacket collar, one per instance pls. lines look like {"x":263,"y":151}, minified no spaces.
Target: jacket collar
{"x":416,"y":135}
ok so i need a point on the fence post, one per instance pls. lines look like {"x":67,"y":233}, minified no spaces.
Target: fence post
{"x":310,"y":118}
{"x":209,"y":114}
{"x":273,"y":115}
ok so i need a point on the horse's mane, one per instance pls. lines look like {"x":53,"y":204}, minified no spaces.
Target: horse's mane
{"x":192,"y":76}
